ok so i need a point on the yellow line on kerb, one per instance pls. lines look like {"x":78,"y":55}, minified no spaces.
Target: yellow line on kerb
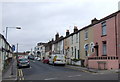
{"x":20,"y":73}
{"x":20,"y":79}
{"x":23,"y":78}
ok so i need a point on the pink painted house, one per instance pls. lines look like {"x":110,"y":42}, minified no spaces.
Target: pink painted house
{"x":107,"y":43}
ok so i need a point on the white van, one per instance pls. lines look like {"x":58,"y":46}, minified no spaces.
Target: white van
{"x":57,"y":59}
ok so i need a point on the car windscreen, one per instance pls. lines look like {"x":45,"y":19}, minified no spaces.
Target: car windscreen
{"x":23,"y":59}
{"x":60,"y":56}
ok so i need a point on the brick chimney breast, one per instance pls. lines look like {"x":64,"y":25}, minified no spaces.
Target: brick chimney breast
{"x":67,"y":32}
{"x":75,"y":29}
{"x":93,"y":21}
{"x":57,"y":36}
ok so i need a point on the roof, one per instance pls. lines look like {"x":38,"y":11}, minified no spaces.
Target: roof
{"x":5,"y":40}
{"x":59,"y":39}
{"x":103,"y":19}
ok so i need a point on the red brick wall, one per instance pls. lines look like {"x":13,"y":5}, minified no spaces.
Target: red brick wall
{"x":118,"y":36}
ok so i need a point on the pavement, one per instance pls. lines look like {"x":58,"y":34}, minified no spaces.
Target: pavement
{"x":11,"y":72}
{"x":92,"y":70}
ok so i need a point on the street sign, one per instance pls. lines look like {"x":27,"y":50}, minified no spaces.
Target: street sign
{"x":13,"y":47}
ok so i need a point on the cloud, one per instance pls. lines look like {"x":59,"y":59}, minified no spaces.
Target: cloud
{"x":40,"y":21}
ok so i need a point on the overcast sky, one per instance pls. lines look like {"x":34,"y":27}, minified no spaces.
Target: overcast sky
{"x":40,"y":21}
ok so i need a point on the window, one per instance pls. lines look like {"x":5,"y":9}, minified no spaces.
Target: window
{"x":92,"y":47}
{"x":72,"y":40}
{"x":86,"y":34}
{"x":104,"y":48}
{"x":76,"y":38}
{"x":38,"y":48}
{"x":72,"y":50}
{"x":103,"y":28}
{"x":86,"y":46}
{"x":78,"y":54}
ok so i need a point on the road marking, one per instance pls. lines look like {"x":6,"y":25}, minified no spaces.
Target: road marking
{"x":74,"y":76}
{"x":20,"y":79}
{"x":49,"y":78}
{"x":95,"y":73}
{"x":101,"y":73}
{"x":20,"y":74}
{"x":23,"y":78}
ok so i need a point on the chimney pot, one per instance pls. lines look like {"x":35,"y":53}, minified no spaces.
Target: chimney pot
{"x":57,"y":36}
{"x":93,"y":21}
{"x":67,"y":32}
{"x":75,"y":29}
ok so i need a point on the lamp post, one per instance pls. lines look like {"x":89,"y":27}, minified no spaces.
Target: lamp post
{"x":17,"y":45}
{"x":11,"y":27}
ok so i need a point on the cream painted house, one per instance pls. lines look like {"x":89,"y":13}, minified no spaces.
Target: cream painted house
{"x":86,"y":44}
{"x":67,"y":47}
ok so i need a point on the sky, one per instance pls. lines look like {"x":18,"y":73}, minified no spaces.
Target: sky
{"x":40,"y":21}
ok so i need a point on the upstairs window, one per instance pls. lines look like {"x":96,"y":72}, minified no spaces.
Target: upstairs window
{"x":71,"y":39}
{"x":76,"y":38}
{"x":86,"y":34}
{"x":103,"y":28}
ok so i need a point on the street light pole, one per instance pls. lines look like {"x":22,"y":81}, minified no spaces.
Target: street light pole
{"x":11,"y":27}
{"x":17,"y":51}
{"x":6,"y":32}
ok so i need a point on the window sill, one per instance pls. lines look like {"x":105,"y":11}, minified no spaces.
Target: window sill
{"x":104,"y":55}
{"x":103,"y":35}
{"x":86,"y":38}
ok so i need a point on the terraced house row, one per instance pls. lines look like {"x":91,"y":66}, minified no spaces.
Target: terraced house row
{"x":94,"y":46}
{"x":6,"y":53}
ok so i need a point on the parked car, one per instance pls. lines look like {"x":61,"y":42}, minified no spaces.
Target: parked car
{"x":23,"y":62}
{"x":37,"y":58}
{"x":46,"y":61}
{"x":58,"y":59}
{"x":31,"y":57}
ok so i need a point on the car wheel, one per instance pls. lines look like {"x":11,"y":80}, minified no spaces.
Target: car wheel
{"x":28,"y":66}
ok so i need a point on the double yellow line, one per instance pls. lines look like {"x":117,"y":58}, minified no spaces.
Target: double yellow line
{"x":20,"y":74}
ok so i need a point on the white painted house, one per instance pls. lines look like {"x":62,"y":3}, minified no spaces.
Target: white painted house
{"x":5,"y":53}
{"x":74,"y":44}
{"x":40,"y":50}
{"x":58,"y":44}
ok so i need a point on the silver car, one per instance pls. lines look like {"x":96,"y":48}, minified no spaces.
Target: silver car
{"x":23,"y":62}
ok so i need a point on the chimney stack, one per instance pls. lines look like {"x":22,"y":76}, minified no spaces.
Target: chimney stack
{"x":52,"y":40}
{"x":57,"y":36}
{"x":75,"y":29}
{"x":93,"y":21}
{"x":67,"y":32}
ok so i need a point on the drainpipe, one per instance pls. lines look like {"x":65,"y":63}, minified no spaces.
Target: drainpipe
{"x":116,"y":33}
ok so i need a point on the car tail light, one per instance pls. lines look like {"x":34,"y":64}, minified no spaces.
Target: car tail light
{"x":18,"y":61}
